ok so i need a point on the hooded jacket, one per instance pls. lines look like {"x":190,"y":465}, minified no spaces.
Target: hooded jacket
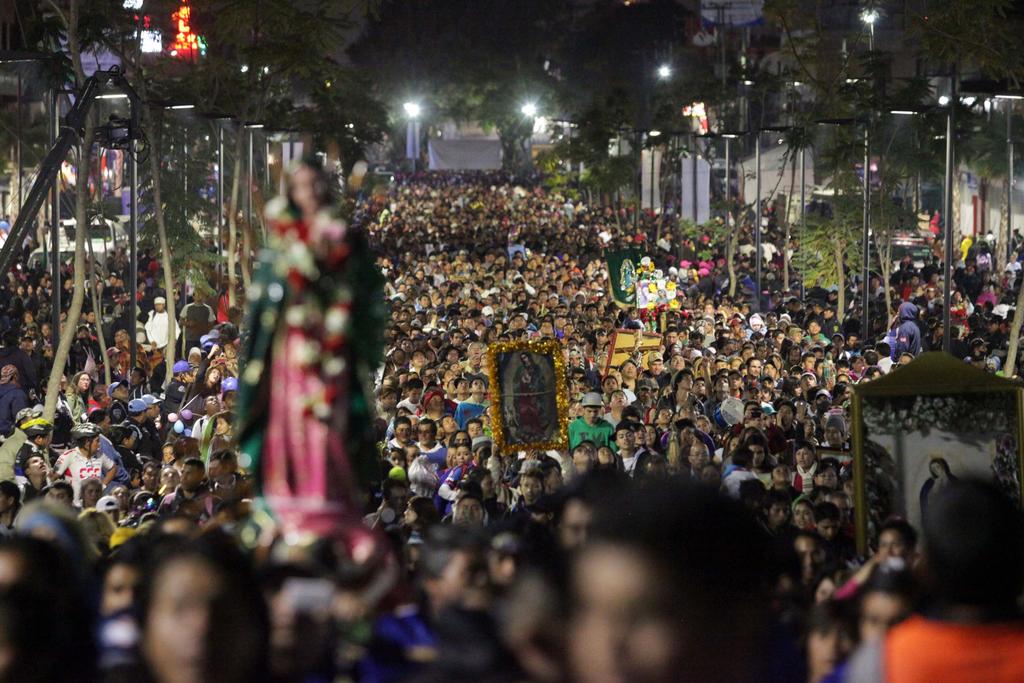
{"x":908,"y":335}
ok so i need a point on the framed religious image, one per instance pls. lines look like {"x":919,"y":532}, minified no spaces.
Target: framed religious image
{"x":529,"y":396}
{"x":924,"y":426}
{"x":626,"y":344}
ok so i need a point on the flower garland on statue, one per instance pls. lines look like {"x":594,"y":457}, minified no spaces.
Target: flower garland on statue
{"x":320,"y":304}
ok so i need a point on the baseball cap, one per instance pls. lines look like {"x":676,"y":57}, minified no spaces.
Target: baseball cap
{"x":229,"y":384}
{"x":592,"y":400}
{"x":625,"y":426}
{"x":150,"y":399}
{"x":180,"y":366}
{"x":113,"y":386}
{"x":481,"y":442}
{"x":159,"y":300}
{"x":107,"y":504}
{"x":136,"y":406}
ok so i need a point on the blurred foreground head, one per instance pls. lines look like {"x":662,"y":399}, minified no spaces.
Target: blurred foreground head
{"x":673,"y":586}
{"x":974,"y":549}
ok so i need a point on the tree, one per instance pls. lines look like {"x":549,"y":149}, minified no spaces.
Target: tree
{"x":831,"y":247}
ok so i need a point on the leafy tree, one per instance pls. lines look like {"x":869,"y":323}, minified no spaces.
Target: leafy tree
{"x":830,"y":247}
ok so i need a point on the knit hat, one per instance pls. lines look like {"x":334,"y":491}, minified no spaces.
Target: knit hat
{"x":836,"y":421}
{"x":430,"y":395}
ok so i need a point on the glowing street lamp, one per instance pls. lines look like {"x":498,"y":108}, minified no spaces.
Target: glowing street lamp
{"x":870,"y":16}
{"x":664,"y":72}
{"x":529,"y":110}
{"x":412,"y":109}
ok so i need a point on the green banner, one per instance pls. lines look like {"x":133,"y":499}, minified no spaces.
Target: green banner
{"x":623,"y":269}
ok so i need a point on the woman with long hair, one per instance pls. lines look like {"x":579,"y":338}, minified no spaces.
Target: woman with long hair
{"x":79,"y":392}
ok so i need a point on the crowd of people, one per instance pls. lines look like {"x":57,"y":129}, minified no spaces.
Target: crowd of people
{"x":698,"y":524}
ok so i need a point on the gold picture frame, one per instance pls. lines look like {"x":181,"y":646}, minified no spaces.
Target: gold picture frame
{"x":932,"y":421}
{"x":529,"y":395}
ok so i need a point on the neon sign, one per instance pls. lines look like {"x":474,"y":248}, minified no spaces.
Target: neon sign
{"x":186,"y":45}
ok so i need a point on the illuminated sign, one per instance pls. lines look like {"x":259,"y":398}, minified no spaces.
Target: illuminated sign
{"x":151,"y":41}
{"x":186,"y":45}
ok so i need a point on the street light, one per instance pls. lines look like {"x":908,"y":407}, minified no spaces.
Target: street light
{"x":529,"y":110}
{"x":870,"y":16}
{"x":412,"y":131}
{"x":664,"y":72}
{"x":412,"y":109}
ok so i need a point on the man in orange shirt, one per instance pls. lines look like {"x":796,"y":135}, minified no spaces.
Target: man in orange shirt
{"x":972,"y":630}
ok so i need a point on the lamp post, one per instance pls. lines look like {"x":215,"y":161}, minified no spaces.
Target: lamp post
{"x":870,"y":16}
{"x":250,"y":127}
{"x":1009,"y":169}
{"x":412,"y":131}
{"x":529,"y":111}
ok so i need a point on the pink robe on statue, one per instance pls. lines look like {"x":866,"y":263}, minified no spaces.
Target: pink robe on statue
{"x":307,"y":478}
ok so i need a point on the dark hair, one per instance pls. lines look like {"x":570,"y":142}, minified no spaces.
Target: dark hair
{"x":426,"y":512}
{"x":974,"y":546}
{"x":61,"y":485}
{"x":390,"y":484}
{"x":903,"y":528}
{"x":709,"y":556}
{"x":194,"y":462}
{"x":240,"y":623}
{"x":826,"y":511}
{"x":10,"y":489}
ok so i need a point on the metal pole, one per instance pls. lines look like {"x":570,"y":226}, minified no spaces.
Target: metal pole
{"x":651,"y":152}
{"x":55,"y":226}
{"x":866,"y":243}
{"x":638,"y":185}
{"x":133,"y":251}
{"x":947,"y":283}
{"x":727,"y":185}
{"x":248,"y":195}
{"x":803,"y":207}
{"x":220,"y":202}
{"x":21,"y":165}
{"x":1009,"y":179}
{"x":757,"y":220}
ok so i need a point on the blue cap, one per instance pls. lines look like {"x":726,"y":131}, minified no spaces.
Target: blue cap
{"x":150,"y":399}
{"x":229,"y":384}
{"x":112,"y":386}
{"x":136,"y":406}
{"x":180,"y":366}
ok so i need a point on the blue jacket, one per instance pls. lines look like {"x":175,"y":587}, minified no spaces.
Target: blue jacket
{"x":12,"y":399}
{"x":908,"y":334}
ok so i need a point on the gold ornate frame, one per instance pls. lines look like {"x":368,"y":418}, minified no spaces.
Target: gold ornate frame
{"x":549,"y":348}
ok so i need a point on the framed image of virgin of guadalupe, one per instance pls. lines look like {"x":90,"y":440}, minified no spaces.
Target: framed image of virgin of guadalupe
{"x":924,"y":426}
{"x":529,"y":396}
